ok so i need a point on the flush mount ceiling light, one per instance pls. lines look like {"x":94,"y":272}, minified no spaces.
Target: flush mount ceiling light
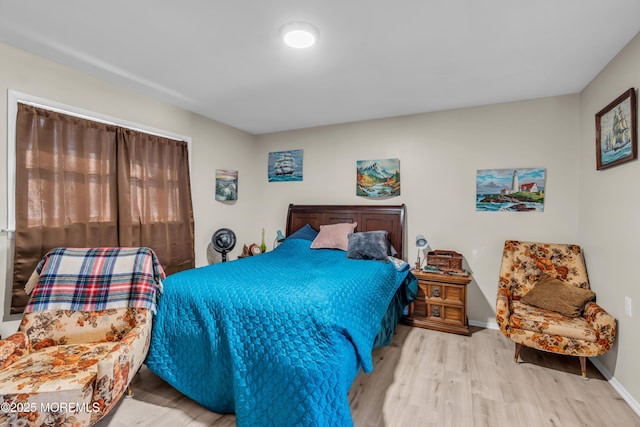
{"x":299,"y":35}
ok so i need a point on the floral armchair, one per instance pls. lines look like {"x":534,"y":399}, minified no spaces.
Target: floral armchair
{"x":84,"y":335}
{"x":589,"y":333}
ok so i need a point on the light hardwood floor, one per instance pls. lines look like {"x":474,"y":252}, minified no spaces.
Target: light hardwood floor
{"x":429,"y":378}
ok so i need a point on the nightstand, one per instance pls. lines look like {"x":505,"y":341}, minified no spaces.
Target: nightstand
{"x":441,"y":303}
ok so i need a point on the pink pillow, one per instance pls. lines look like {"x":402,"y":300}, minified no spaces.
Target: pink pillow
{"x":334,"y":236}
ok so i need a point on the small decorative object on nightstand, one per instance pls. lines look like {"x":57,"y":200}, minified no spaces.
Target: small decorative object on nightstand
{"x":263,"y":246}
{"x":441,"y":303}
{"x":446,"y":261}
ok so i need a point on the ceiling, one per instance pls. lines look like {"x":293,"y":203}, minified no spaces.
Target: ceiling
{"x":374,"y":58}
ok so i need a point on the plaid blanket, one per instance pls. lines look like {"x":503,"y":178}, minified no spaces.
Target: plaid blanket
{"x":95,"y":279}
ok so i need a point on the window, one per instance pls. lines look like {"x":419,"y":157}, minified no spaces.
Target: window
{"x":81,"y":182}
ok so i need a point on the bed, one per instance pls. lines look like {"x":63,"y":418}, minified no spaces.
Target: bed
{"x":279,"y":338}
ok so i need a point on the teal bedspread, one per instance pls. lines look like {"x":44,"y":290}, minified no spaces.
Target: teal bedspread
{"x":278,"y":338}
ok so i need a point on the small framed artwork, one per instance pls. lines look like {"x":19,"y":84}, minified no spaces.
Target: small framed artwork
{"x":510,"y":190}
{"x":226,"y":184}
{"x":285,"y":166}
{"x":378,"y":178}
{"x":616,"y":139}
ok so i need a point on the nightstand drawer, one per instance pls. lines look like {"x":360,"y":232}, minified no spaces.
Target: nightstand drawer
{"x":419,"y":306}
{"x":451,"y":294}
{"x":449,"y":314}
{"x":441,"y":303}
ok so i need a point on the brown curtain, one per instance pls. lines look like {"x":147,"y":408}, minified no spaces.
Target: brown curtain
{"x":81,"y":183}
{"x":155,"y":197}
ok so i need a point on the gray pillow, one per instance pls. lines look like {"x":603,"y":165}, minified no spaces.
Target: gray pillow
{"x":368,"y":245}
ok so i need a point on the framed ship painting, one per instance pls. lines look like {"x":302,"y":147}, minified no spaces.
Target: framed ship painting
{"x":616,"y":139}
{"x":285,"y":166}
{"x":510,"y":190}
{"x":226,"y":184}
{"x":378,"y":178}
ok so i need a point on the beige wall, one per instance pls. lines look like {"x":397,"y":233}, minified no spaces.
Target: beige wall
{"x":214,"y":145}
{"x":609,"y":218}
{"x":439,"y":155}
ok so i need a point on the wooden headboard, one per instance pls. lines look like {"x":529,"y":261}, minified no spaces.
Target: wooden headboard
{"x":369,"y":218}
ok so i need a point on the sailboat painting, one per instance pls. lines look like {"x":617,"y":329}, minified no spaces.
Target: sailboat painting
{"x":226,"y":184}
{"x":378,"y":178}
{"x":285,"y":166}
{"x":616,"y":140}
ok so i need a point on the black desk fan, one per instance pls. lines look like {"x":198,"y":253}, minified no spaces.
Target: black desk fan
{"x":223,"y":241}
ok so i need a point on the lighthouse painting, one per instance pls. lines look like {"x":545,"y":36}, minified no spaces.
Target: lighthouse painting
{"x":510,"y":190}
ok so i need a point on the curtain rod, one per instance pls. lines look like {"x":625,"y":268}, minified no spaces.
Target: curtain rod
{"x":88,"y":117}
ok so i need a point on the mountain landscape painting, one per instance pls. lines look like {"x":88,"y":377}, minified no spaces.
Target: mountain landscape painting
{"x":378,"y":178}
{"x":510,"y":190}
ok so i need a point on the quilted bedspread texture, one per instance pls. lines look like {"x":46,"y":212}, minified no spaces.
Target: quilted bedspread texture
{"x":278,"y":338}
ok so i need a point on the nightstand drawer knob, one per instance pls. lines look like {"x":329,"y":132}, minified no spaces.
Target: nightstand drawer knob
{"x":435,"y":311}
{"x":435,"y":292}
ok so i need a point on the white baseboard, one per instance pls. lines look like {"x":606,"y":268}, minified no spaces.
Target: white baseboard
{"x":486,"y":325}
{"x":634,"y":404}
